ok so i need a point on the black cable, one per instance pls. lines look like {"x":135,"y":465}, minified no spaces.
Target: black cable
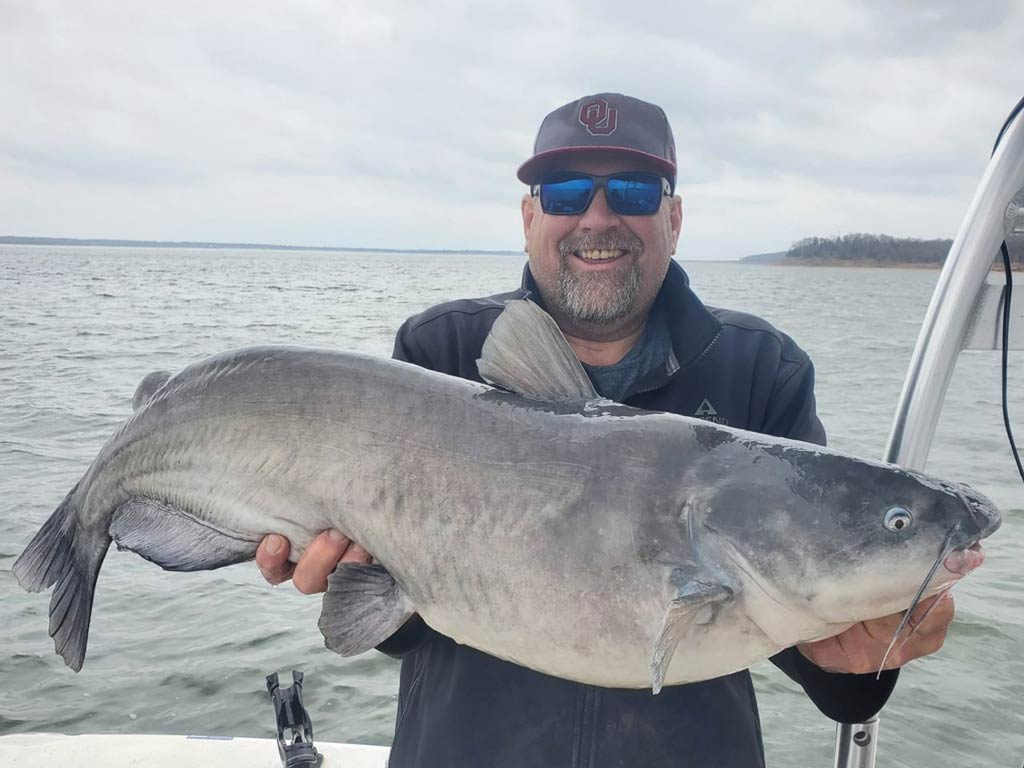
{"x":1006,"y":347}
{"x":1008,"y":268}
{"x":1013,"y":114}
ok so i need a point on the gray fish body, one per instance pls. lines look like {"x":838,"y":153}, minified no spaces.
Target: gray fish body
{"x":587,"y":540}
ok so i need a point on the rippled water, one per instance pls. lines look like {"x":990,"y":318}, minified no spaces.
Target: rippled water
{"x":186,"y":653}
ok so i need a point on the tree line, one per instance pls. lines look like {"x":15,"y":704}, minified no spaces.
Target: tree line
{"x":861,"y":247}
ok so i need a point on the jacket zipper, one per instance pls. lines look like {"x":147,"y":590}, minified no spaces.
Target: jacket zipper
{"x":582,"y":751}
{"x":704,"y":352}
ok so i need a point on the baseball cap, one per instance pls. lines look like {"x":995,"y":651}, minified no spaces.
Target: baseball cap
{"x":608,"y":121}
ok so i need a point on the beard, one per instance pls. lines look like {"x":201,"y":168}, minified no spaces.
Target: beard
{"x":599,"y":298}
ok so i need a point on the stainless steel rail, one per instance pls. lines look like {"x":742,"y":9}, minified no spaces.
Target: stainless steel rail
{"x":959,"y":305}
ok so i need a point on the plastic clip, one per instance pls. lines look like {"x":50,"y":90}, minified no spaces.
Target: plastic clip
{"x":299,"y":752}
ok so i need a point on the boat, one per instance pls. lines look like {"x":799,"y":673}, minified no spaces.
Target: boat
{"x":33,"y":750}
{"x":967,"y":311}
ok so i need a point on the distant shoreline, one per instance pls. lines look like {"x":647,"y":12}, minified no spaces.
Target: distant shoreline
{"x":109,"y":243}
{"x":874,"y":264}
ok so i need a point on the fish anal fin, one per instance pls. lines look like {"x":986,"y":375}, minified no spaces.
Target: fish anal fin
{"x":363,"y":606}
{"x":526,"y":353}
{"x":680,"y":615}
{"x":175,"y":539}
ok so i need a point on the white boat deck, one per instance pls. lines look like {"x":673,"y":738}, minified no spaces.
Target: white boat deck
{"x":117,"y":751}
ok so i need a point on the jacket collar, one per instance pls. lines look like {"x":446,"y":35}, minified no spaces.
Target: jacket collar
{"x":691,"y":324}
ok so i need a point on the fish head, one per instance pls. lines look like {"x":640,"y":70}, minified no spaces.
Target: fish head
{"x":842,"y":539}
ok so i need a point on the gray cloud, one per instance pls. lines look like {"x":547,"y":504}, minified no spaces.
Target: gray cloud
{"x":400,"y":124}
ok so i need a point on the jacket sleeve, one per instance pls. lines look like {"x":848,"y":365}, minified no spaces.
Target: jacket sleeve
{"x":414,"y":634}
{"x":846,"y":698}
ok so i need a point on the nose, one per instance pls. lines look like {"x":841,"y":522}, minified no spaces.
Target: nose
{"x":599,"y":216}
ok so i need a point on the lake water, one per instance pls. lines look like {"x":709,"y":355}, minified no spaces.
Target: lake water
{"x":187,"y":653}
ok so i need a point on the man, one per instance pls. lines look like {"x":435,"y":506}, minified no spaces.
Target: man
{"x":601,"y":222}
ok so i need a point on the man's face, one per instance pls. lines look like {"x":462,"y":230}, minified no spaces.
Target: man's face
{"x":599,"y":272}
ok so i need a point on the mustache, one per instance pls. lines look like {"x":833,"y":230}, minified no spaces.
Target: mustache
{"x":612,"y":239}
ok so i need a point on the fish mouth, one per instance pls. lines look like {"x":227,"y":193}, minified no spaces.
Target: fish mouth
{"x":962,"y":561}
{"x":957,"y":557}
{"x":983,"y":511}
{"x":962,"y":552}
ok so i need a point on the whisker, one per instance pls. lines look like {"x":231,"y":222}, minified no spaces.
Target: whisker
{"x":947,"y":547}
{"x":913,"y":630}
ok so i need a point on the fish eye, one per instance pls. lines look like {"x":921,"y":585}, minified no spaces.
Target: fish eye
{"x":897,"y":519}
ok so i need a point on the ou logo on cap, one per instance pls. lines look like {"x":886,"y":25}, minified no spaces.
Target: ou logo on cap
{"x":599,"y":118}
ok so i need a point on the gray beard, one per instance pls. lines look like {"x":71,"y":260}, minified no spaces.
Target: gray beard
{"x":599,"y":298}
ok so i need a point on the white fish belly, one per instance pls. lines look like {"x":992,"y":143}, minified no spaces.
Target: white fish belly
{"x":609,"y":659}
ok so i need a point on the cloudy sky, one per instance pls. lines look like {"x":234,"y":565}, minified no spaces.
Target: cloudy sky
{"x":397,"y":123}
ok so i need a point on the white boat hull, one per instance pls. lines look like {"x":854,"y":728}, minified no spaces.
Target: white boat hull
{"x":121,"y":751}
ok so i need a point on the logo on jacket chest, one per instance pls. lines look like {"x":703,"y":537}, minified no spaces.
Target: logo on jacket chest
{"x":708,"y":412}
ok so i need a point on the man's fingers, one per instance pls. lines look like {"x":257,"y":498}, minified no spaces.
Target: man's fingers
{"x":933,"y":624}
{"x":356,"y":554}
{"x":317,"y":562}
{"x":320,"y":558}
{"x":937,"y":618}
{"x":881,"y":630}
{"x":272,"y":558}
{"x":925,"y":618}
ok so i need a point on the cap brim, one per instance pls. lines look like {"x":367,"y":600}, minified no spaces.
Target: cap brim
{"x":534,"y":169}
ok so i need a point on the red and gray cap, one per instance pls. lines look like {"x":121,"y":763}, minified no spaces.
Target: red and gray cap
{"x":607,"y":121}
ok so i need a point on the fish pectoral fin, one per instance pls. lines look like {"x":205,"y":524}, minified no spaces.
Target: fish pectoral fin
{"x":679,"y":617}
{"x":175,"y":539}
{"x":363,"y":607}
{"x":526,"y":353}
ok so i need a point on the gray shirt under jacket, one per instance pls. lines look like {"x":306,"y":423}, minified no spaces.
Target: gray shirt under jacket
{"x":648,"y":354}
{"x":461,"y":708}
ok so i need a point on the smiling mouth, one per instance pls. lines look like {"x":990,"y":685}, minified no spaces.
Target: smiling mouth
{"x":602,"y":254}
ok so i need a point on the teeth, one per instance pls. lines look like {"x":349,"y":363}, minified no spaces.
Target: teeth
{"x":602,"y":255}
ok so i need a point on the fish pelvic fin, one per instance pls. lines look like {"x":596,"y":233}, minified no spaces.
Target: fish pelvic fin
{"x":65,"y":553}
{"x":175,"y":539}
{"x":363,"y":606}
{"x":680,"y":615}
{"x":526,"y":353}
{"x":148,"y":387}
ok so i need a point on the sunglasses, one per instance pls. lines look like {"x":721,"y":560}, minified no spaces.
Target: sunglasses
{"x":628,"y":194}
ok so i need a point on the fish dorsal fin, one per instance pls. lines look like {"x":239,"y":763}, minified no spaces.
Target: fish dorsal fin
{"x":526,"y":353}
{"x":148,"y":387}
{"x":680,"y":615}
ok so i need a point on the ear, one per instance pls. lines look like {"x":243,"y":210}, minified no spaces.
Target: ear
{"x":529,"y":210}
{"x":675,"y":219}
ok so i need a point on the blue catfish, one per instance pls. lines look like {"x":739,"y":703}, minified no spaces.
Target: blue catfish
{"x":531,"y":519}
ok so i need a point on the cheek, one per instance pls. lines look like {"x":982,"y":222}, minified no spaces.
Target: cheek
{"x":543,"y":239}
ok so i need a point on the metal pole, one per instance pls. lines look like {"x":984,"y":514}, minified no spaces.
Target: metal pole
{"x":856,"y":744}
{"x":953,"y":303}
{"x":942,"y":336}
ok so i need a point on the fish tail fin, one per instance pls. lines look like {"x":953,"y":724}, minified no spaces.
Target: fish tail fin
{"x":66,"y":554}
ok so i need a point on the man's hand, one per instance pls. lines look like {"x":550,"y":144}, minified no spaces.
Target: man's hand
{"x":321,"y":557}
{"x":860,"y":649}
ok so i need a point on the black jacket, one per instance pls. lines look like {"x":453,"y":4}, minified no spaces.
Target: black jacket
{"x":460,"y":708}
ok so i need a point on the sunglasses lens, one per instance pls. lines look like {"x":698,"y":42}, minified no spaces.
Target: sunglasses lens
{"x":567,"y":196}
{"x":636,"y":194}
{"x":628,"y":194}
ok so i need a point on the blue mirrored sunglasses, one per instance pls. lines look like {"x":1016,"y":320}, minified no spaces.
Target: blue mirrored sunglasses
{"x":628,"y":194}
